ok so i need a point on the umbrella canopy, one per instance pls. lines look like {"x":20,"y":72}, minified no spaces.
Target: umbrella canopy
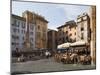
{"x":65,"y":45}
{"x":78,"y":43}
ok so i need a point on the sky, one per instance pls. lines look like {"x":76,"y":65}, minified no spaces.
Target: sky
{"x":56,"y":14}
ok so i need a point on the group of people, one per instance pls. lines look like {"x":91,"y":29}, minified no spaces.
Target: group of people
{"x":22,"y":57}
{"x":73,"y":57}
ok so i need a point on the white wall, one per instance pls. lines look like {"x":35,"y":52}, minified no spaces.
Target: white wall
{"x":21,"y":34}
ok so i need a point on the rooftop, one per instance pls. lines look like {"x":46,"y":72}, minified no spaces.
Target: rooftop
{"x":18,"y":17}
{"x":36,"y":16}
{"x":82,"y":15}
{"x":71,"y":23}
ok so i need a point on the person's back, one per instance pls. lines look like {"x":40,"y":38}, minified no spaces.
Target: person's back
{"x":46,"y":53}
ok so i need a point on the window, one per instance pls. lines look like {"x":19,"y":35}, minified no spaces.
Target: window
{"x":23,"y":43}
{"x":67,"y":38}
{"x":15,"y":22}
{"x":22,"y":31}
{"x":59,"y":29}
{"x":18,"y":30}
{"x":70,"y":34}
{"x":13,"y":37}
{"x":18,"y":24}
{"x":31,"y":27}
{"x":17,"y":37}
{"x":17,"y":43}
{"x":23,"y":25}
{"x":23,"y":38}
{"x":74,"y":40}
{"x":70,"y":28}
{"x":44,"y":29}
{"x":13,"y":43}
{"x":38,"y":27}
{"x":14,"y":30}
{"x":59,"y":33}
{"x":31,"y":39}
{"x":66,"y":32}
{"x":82,"y":29}
{"x":82,"y":36}
{"x":12,"y":24}
{"x":31,"y":33}
{"x":75,"y":33}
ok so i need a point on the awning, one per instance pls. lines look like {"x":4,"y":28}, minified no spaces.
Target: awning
{"x":78,"y":43}
{"x":65,"y":45}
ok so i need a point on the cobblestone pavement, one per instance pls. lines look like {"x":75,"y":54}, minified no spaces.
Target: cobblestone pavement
{"x":45,"y":65}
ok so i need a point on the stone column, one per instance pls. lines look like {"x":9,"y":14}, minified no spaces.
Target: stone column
{"x":93,"y":34}
{"x":27,"y":40}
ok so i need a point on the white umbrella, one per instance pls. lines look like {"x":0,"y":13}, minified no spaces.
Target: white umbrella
{"x":65,"y":45}
{"x":78,"y":43}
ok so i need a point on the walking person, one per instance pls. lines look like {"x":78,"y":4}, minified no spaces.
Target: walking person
{"x":46,"y":54}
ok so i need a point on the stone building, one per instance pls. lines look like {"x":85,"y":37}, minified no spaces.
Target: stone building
{"x":29,"y":30}
{"x":40,"y":29}
{"x":52,"y":39}
{"x":67,"y":32}
{"x":18,"y":32}
{"x":83,"y":28}
{"x":92,"y":14}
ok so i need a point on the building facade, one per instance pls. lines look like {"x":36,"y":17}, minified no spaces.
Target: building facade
{"x":18,"y":31}
{"x":67,"y":32}
{"x":31,"y":28}
{"x":92,"y":14}
{"x":83,"y":28}
{"x":41,"y":32}
{"x":40,"y":29}
{"x":52,"y":39}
